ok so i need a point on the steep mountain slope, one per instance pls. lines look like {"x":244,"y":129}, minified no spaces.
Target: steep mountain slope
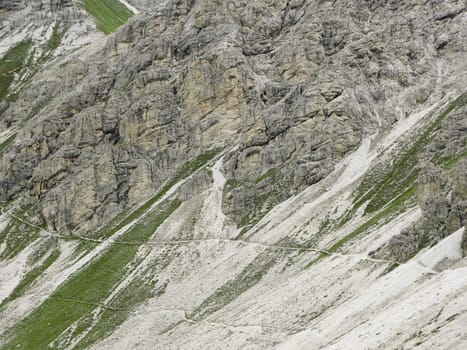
{"x":242,"y":175}
{"x":46,"y":33}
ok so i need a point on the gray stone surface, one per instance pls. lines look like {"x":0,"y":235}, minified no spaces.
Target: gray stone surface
{"x":296,"y":84}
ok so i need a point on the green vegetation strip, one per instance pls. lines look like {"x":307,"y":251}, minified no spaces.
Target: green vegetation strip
{"x":12,"y":63}
{"x":20,"y":64}
{"x":56,"y":37}
{"x":404,"y":172}
{"x":17,"y":236}
{"x":398,"y":203}
{"x":7,"y":142}
{"x":30,"y":277}
{"x":393,"y":208}
{"x":58,"y":32}
{"x":90,"y":286}
{"x":230,"y":291}
{"x":122,"y":306}
{"x":109,"y":14}
{"x":448,"y":163}
{"x":142,"y":287}
{"x":386,"y":192}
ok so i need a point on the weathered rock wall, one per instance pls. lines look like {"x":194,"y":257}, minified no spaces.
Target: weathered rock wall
{"x":296,"y":84}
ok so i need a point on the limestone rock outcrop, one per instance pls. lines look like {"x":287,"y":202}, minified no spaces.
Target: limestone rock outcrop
{"x":295,"y":84}
{"x":285,"y":174}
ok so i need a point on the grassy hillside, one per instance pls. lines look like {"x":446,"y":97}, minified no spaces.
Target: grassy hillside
{"x":109,"y":14}
{"x":85,"y":291}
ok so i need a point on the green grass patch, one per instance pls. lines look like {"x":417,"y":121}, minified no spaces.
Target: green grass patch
{"x":398,"y":203}
{"x":21,"y":60}
{"x":451,"y":318}
{"x":27,"y":281}
{"x":109,"y":321}
{"x":124,"y":303}
{"x":58,"y":32}
{"x":83,"y":247}
{"x":111,"y":227}
{"x":449,"y":162}
{"x":143,"y":229}
{"x":41,"y":327}
{"x":7,"y":142}
{"x":20,"y":64}
{"x":108,"y":14}
{"x":17,"y":236}
{"x":231,"y":184}
{"x":271,"y":173}
{"x":190,"y":167}
{"x":82,"y":292}
{"x":390,"y":268}
{"x":12,"y":63}
{"x":56,"y":38}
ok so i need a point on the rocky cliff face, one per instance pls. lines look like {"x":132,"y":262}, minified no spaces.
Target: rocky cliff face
{"x":292,"y":133}
{"x":294,"y":89}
